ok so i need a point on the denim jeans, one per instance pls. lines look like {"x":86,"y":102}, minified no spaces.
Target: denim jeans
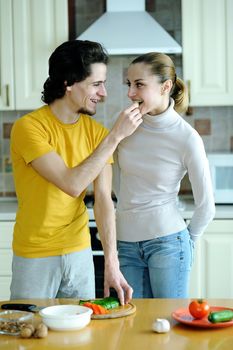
{"x":158,"y":268}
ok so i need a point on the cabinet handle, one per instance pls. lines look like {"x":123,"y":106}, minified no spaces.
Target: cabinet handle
{"x":7,"y":95}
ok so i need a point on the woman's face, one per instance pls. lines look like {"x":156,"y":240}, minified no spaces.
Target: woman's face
{"x":144,"y":87}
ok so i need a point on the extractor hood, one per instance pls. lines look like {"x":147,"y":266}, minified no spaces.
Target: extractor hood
{"x":127,"y":29}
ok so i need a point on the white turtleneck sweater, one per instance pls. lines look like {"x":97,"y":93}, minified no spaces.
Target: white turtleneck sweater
{"x":149,"y":166}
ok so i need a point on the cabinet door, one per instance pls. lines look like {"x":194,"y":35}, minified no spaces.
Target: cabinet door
{"x":5,"y":288}
{"x":5,"y":262}
{"x":6,"y":234}
{"x":39,"y":27}
{"x":207,"y":32}
{"x":212,"y":272}
{"x":6,"y":56}
{"x":217,"y":259}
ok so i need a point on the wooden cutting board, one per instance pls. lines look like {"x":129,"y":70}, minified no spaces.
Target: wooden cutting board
{"x":120,"y":311}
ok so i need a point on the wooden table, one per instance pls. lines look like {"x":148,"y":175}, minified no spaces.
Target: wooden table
{"x":130,"y":333}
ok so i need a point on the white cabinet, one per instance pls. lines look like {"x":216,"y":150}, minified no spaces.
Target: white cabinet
{"x":6,"y":235}
{"x":212,"y":274}
{"x":30,"y":31}
{"x":6,"y":56}
{"x":207,"y":32}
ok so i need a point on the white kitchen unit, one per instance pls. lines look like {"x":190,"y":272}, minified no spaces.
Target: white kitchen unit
{"x":6,"y":56}
{"x":212,"y":273}
{"x":29,"y":31}
{"x":6,"y":234}
{"x":207,"y":32}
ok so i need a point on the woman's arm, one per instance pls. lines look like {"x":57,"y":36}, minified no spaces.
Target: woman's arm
{"x":200,"y":178}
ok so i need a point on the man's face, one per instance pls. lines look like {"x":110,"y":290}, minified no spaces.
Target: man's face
{"x":84,"y":96}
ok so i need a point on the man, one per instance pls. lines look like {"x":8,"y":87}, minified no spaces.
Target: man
{"x":57,"y":151}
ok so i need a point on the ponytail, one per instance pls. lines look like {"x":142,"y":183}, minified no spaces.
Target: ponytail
{"x":179,"y":93}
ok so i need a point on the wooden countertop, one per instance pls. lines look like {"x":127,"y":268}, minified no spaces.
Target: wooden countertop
{"x":131,"y":332}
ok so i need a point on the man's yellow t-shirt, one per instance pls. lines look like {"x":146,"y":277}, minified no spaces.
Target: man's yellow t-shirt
{"x":50,"y":222}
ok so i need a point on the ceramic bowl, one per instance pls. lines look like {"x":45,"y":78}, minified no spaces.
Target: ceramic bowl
{"x":11,"y":321}
{"x":66,"y":317}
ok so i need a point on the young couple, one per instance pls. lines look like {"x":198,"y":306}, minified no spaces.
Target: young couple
{"x":59,"y":149}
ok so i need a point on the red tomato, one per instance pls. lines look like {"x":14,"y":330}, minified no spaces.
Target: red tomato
{"x":199,"y":308}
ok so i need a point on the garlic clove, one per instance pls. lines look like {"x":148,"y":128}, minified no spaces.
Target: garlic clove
{"x":161,"y":325}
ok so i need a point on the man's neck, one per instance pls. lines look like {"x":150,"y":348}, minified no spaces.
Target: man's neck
{"x":63,"y":112}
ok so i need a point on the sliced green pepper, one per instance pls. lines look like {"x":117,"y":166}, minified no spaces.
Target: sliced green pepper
{"x":107,"y":303}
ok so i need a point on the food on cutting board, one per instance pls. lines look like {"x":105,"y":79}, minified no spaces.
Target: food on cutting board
{"x":101,"y":306}
{"x":97,"y":309}
{"x":107,"y":303}
{"x":220,"y":316}
{"x":199,"y":308}
{"x":161,"y":325}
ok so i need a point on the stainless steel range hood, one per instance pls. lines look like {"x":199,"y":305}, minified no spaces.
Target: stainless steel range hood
{"x":127,"y":29}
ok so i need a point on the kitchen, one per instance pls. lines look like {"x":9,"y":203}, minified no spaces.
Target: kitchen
{"x":211,"y":118}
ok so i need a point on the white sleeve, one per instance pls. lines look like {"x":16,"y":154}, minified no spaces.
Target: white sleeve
{"x":197,"y":166}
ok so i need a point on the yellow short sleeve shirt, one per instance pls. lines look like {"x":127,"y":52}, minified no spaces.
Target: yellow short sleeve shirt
{"x":49,"y":222}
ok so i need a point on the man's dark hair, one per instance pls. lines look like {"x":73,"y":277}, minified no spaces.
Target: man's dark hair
{"x":70,"y":63}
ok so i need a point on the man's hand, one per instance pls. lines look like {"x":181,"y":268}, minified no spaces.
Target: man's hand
{"x":113,"y":278}
{"x":127,"y":122}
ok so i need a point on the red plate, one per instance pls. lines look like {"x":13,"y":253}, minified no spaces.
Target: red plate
{"x":184,"y":316}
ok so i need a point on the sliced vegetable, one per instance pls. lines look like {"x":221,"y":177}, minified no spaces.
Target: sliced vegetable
{"x":97,"y":309}
{"x":199,"y":308}
{"x":220,"y":316}
{"x":108,"y":302}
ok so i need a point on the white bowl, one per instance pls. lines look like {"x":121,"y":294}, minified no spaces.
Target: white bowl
{"x":66,"y":317}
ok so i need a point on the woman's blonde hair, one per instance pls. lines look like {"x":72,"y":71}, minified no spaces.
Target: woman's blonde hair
{"x":162,"y":66}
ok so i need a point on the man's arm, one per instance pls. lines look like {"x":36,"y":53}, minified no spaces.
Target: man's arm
{"x":74,"y":181}
{"x":105,"y":220}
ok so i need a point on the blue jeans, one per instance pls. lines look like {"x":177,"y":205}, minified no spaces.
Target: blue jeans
{"x":158,"y":268}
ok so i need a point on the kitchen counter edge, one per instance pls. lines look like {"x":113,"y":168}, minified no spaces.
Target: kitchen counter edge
{"x":8,"y":210}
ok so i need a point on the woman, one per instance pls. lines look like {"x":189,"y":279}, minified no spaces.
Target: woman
{"x":154,"y":245}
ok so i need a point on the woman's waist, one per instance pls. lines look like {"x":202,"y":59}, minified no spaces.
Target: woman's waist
{"x":147,"y":224}
{"x":158,"y":204}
